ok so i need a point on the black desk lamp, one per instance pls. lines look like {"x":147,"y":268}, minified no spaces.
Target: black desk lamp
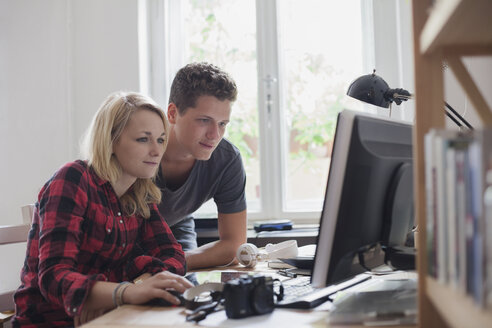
{"x":373,"y":90}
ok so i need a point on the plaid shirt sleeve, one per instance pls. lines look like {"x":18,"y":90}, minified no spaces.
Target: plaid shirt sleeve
{"x":62,"y":205}
{"x":161,"y":250}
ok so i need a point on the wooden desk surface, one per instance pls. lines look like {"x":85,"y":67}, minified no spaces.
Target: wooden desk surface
{"x":145,"y":316}
{"x":154,"y":316}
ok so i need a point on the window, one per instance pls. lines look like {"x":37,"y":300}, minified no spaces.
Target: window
{"x":320,"y":45}
{"x":293,"y":61}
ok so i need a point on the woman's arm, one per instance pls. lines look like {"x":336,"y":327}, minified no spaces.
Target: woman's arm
{"x":62,"y":205}
{"x":156,"y":286}
{"x":101,"y":295}
{"x":161,"y":251}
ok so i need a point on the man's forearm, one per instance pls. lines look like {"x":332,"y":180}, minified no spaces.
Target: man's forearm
{"x":232,"y":233}
{"x":217,"y":253}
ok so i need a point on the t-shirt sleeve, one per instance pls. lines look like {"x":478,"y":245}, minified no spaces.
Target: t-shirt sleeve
{"x":230,"y":196}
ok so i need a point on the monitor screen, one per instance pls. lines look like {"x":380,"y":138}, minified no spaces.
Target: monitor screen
{"x":369,"y":196}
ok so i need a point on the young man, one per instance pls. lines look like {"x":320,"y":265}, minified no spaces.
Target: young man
{"x":199,"y":164}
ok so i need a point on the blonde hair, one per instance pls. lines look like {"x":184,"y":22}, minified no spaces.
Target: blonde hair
{"x":97,"y":148}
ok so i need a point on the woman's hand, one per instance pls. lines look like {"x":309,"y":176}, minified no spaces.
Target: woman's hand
{"x":155,"y":287}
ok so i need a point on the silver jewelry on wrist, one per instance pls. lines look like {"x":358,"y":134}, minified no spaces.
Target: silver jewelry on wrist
{"x":118,"y":293}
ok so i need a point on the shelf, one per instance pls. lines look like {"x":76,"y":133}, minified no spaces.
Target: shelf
{"x":456,"y":308}
{"x":457,"y":23}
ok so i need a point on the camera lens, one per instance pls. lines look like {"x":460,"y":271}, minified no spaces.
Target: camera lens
{"x":237,"y":300}
{"x":248,"y":296}
{"x":262,"y":297}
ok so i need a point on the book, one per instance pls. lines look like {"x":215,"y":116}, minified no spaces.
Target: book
{"x":430,"y":202}
{"x":456,"y":156}
{"x":461,"y":163}
{"x":488,"y":233}
{"x":474,"y":223}
{"x":451,"y":217}
{"x":481,"y":163}
{"x":442,"y":140}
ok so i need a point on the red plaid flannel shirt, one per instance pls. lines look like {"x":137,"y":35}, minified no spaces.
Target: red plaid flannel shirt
{"x":78,"y":237}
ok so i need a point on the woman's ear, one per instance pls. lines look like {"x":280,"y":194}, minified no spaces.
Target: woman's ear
{"x":172,"y":113}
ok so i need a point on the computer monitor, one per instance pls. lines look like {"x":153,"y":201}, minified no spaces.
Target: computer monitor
{"x":369,"y":196}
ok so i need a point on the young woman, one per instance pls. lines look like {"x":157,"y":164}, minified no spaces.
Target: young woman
{"x":96,"y":225}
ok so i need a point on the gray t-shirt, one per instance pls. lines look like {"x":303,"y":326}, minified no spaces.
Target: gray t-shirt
{"x":222,"y":178}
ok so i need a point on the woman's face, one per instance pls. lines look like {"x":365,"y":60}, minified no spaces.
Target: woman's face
{"x":140,"y":146}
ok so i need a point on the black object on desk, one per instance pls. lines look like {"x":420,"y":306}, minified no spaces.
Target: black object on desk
{"x":400,"y":257}
{"x":163,"y":302}
{"x":300,"y":262}
{"x":287,"y":273}
{"x":273,"y":225}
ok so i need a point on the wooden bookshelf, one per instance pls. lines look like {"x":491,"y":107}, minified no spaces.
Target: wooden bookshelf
{"x":452,"y":304}
{"x":457,"y":23}
{"x":444,"y":30}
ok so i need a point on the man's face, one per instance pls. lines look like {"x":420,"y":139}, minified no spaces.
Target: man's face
{"x":199,"y":130}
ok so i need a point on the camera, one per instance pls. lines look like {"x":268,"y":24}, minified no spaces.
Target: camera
{"x":248,"y":295}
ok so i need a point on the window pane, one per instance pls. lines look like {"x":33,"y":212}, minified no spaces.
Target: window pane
{"x":321,"y":47}
{"x":223,"y":32}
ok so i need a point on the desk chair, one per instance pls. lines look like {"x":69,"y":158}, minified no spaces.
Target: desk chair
{"x":12,"y":235}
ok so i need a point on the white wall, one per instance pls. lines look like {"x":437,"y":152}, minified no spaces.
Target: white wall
{"x":104,"y":53}
{"x":59,"y":59}
{"x":34,"y":103}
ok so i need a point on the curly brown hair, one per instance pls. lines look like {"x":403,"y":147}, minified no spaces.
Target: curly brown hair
{"x":200,"y":79}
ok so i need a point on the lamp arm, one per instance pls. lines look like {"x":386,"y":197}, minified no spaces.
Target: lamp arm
{"x":398,"y":95}
{"x":461,"y":118}
{"x":453,"y":119}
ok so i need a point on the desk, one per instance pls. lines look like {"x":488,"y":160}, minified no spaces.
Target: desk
{"x":152,"y":316}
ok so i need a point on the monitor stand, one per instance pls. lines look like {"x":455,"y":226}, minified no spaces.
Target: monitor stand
{"x":400,"y":257}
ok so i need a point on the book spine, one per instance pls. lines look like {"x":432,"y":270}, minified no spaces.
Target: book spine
{"x":488,"y":235}
{"x":476,"y":278}
{"x":430,"y":202}
{"x":440,"y":148}
{"x":487,"y":215}
{"x":461,"y":218}
{"x":451,"y":217}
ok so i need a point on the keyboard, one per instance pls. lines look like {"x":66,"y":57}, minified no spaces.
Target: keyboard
{"x":300,"y":294}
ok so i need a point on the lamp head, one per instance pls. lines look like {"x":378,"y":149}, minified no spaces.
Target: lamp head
{"x":370,"y":88}
{"x":373,"y":90}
